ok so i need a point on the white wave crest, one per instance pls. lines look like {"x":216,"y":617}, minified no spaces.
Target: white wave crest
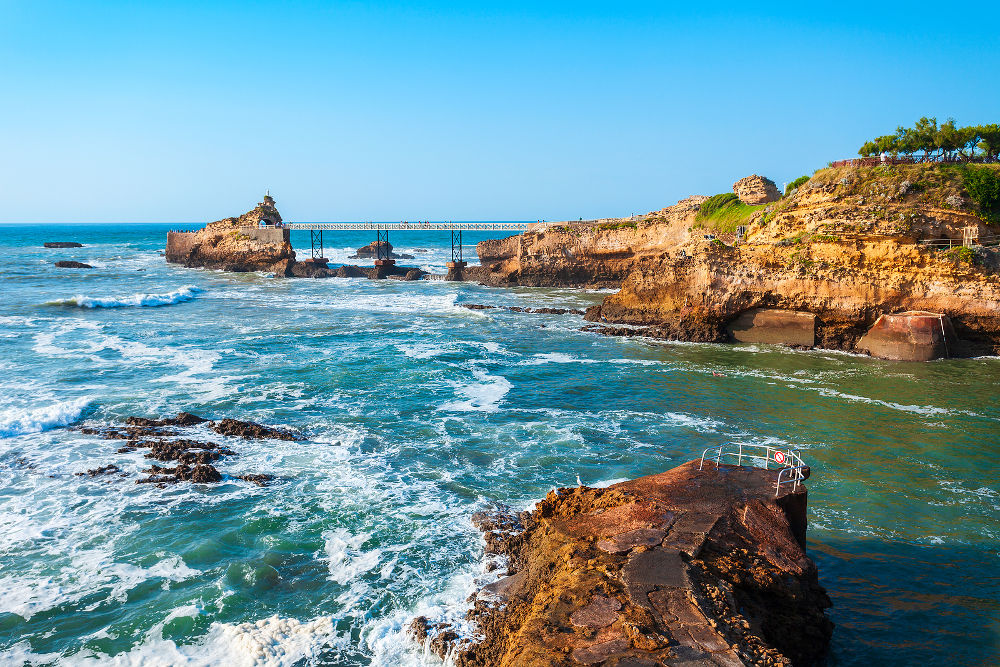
{"x":482,"y":396}
{"x":269,"y":642}
{"x":347,"y":559}
{"x":186,"y":293}
{"x":18,"y":421}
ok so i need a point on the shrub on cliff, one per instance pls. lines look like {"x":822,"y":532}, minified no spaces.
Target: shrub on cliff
{"x":983,"y":185}
{"x":796,"y":184}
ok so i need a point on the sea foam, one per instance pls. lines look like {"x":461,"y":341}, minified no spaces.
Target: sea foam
{"x":186,"y":293}
{"x":21,"y":420}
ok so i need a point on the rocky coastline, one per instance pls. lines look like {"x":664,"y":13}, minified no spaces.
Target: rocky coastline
{"x":171,"y":440}
{"x":687,"y":567}
{"x":817,"y":268}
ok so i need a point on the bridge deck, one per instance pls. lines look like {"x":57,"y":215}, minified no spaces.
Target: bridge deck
{"x":409,"y":226}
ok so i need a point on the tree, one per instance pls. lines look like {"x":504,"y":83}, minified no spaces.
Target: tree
{"x":948,"y":138}
{"x":989,"y":140}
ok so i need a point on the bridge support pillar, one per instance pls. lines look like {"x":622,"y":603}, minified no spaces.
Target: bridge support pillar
{"x":455,"y":270}
{"x":316,"y":244}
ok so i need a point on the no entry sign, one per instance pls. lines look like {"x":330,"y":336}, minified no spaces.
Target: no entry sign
{"x":779,"y":457}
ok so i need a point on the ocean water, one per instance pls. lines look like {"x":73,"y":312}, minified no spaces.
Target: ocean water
{"x":417,"y":413}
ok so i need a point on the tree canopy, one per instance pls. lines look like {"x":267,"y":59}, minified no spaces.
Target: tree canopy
{"x":945,"y":141}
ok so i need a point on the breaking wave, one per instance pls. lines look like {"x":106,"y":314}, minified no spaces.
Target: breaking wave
{"x":18,"y":421}
{"x":186,"y":293}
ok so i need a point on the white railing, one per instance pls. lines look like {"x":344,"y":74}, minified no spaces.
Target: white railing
{"x":408,"y":226}
{"x":788,"y":462}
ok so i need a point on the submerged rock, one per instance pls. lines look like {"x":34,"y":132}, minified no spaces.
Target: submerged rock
{"x":523,"y":309}
{"x":103,"y":470}
{"x":62,"y":244}
{"x":69,"y":264}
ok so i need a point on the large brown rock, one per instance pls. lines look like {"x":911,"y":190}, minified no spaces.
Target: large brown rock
{"x":756,"y":189}
{"x":910,"y":336}
{"x":238,"y":244}
{"x":693,"y":567}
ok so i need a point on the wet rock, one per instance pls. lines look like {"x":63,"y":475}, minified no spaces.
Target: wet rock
{"x":62,"y":244}
{"x":201,"y":474}
{"x":103,"y":470}
{"x":69,"y":264}
{"x":524,"y":309}
{"x":350,"y":271}
{"x":252,"y":430}
{"x":312,"y":270}
{"x":258,"y":478}
{"x":414,"y":274}
{"x":182,"y":419}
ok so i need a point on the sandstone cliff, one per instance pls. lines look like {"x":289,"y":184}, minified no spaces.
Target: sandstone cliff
{"x":236,"y":244}
{"x":687,"y":567}
{"x":846,"y":247}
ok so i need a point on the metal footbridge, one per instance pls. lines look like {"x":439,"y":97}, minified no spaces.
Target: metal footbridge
{"x":382,"y":229}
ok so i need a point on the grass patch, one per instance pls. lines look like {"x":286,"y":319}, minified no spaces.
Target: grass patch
{"x":724,"y":213}
{"x":618,"y":225}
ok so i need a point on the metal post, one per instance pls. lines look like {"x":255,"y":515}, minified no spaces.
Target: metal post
{"x":456,"y":257}
{"x":315,"y":238}
{"x":381,"y":251}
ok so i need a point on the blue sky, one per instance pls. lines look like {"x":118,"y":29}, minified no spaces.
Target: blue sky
{"x":185,"y":112}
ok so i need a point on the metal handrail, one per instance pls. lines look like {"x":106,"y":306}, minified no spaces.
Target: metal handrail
{"x":789,"y":460}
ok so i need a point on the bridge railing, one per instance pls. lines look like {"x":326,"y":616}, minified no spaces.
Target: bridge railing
{"x":406,"y":226}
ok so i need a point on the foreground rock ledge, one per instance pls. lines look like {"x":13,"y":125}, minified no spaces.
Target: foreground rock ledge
{"x":686,"y":567}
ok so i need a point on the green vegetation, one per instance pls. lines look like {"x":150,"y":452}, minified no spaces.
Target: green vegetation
{"x":618,"y":225}
{"x":983,"y":185}
{"x":794,"y":185}
{"x":962,"y":255}
{"x":725,"y":212}
{"x":946,"y":140}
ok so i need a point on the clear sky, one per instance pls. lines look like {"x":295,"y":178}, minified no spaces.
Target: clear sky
{"x":186,"y":111}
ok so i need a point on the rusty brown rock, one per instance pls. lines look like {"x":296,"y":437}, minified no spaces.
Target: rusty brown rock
{"x":601,"y":612}
{"x":746,"y":594}
{"x":756,"y":189}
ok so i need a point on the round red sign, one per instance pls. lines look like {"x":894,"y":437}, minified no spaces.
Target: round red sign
{"x":779,"y":457}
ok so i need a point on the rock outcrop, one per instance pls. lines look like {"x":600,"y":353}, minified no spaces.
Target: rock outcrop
{"x":237,"y":244}
{"x":688,"y":567}
{"x":756,"y":189}
{"x":70,"y":264}
{"x":371,"y":251}
{"x":62,"y":244}
{"x":846,"y":248}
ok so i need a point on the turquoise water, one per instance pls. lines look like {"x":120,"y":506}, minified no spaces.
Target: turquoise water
{"x":417,"y":413}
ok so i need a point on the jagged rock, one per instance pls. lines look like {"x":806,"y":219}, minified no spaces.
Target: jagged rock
{"x":756,"y":189}
{"x":413,"y":274}
{"x":312,"y":270}
{"x":252,"y":430}
{"x":256,"y":478}
{"x":69,"y":264}
{"x":62,"y":244}
{"x":103,"y":470}
{"x":708,"y":568}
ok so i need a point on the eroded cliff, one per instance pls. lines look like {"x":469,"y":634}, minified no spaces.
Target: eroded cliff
{"x":848,"y":246}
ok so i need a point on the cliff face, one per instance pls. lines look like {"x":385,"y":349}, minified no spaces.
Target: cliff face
{"x":845,"y":248}
{"x":685,"y":567}
{"x":236,"y":244}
